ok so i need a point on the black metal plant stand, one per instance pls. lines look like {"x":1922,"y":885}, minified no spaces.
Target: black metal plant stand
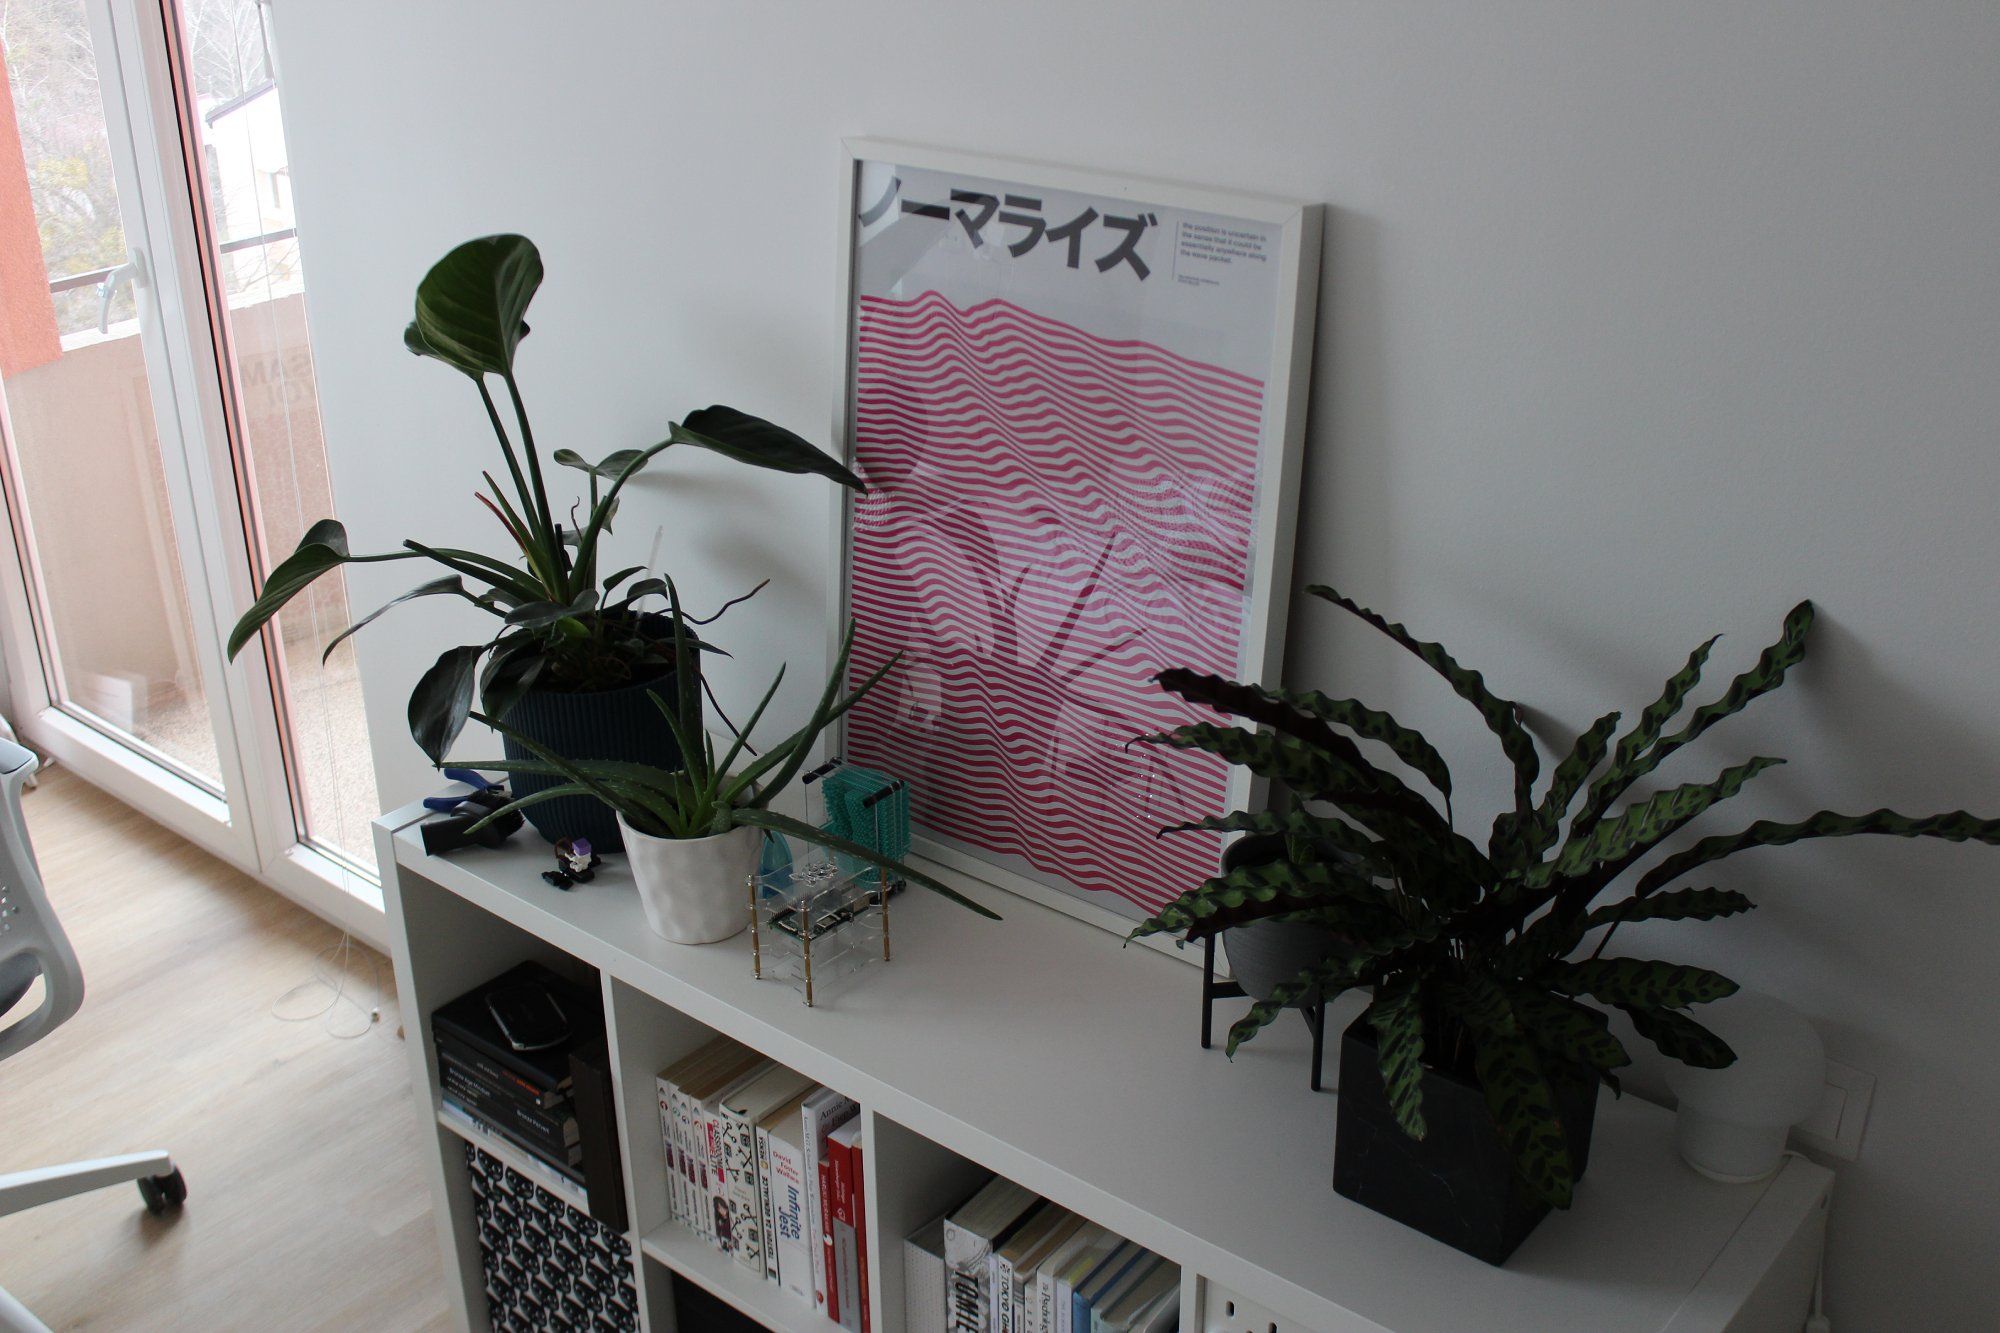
{"x":1213,"y":990}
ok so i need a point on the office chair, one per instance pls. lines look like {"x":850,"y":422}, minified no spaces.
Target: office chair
{"x":32,"y":944}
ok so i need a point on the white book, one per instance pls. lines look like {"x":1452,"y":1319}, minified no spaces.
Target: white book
{"x":716,"y":1119}
{"x":924,"y":1304}
{"x":786,"y":1137}
{"x":969,"y":1233}
{"x":743,"y":1202}
{"x":823,"y":1112}
{"x":765,"y":1199}
{"x":1048,"y":1274}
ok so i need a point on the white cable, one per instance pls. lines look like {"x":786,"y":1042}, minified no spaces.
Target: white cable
{"x":340,"y":953}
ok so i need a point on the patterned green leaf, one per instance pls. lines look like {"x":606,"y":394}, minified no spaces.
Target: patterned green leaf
{"x":1625,"y":766}
{"x":1956,"y":826}
{"x":1524,"y":1111}
{"x":1642,"y":826}
{"x":1679,"y":905}
{"x":1478,"y":999}
{"x":1569,"y":1031}
{"x":1584,"y":756}
{"x":1294,"y":712}
{"x":1291,"y":823}
{"x":1251,"y":893}
{"x":1681,"y":1038}
{"x":1644,"y":982}
{"x":1503,"y":716}
{"x":1398,"y":1019}
{"x":1333,"y":977}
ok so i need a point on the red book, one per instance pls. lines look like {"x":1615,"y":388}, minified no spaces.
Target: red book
{"x":828,"y":1187}
{"x":861,"y":1229}
{"x":843,"y":1148}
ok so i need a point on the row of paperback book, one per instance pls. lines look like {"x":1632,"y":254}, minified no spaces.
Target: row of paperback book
{"x":1009,"y":1261}
{"x":765,"y":1165}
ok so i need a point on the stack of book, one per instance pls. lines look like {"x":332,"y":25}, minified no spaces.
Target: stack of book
{"x":554,"y":1104}
{"x":1009,"y":1261}
{"x":765,"y":1165}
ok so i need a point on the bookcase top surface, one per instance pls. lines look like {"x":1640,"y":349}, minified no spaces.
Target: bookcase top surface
{"x":1041,"y":1048}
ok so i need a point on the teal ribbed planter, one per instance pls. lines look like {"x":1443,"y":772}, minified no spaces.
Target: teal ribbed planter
{"x":620,"y":724}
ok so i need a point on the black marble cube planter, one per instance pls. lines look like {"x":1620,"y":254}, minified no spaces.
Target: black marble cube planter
{"x":1457,"y":1184}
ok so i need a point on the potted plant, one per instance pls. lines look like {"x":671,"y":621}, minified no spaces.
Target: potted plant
{"x":1468,"y":1085}
{"x":573,"y":653}
{"x":693,"y":833}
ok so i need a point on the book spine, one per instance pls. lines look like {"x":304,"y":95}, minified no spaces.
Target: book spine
{"x":670,"y":1144}
{"x":597,"y":1132}
{"x":556,"y":1179}
{"x":496,"y":1067}
{"x":860,"y":1232}
{"x":820,"y":1116}
{"x":765,"y":1201}
{"x":690,"y":1173}
{"x":713,"y":1126}
{"x":827,"y":1295}
{"x":480,"y":1096}
{"x":840,"y":1172}
{"x":744,"y":1211}
{"x":788,"y":1192}
{"x":1000,"y":1277}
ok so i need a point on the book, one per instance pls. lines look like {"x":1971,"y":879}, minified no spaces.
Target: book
{"x":714,"y":1127}
{"x":766,"y":1199}
{"x":1023,"y":1285}
{"x":492,"y":1129}
{"x":1123,"y":1313}
{"x":823,"y":1112}
{"x":858,"y":1152}
{"x":845,"y":1280}
{"x":970,"y":1234}
{"x":673,"y":1138}
{"x":1100,"y":1246}
{"x":531,"y":1091}
{"x":556,"y":1140}
{"x":1008,"y":1310}
{"x":784,"y":1131}
{"x":468,"y":1022}
{"x":1164,"y":1316}
{"x":924,"y":1308}
{"x":741,"y":1109}
{"x":558,"y":1183}
{"x":1050,"y":1269}
{"x":692,"y":1104}
{"x":1083,"y":1303}
{"x":597,"y":1131}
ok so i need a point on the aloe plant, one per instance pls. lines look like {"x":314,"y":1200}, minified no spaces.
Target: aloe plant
{"x":710,"y":793}
{"x":1471,"y":953}
{"x":560,"y":627}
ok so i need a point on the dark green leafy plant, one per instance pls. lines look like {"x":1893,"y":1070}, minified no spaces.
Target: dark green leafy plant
{"x":710,"y":794}
{"x":562,"y":627}
{"x":1469,"y":951}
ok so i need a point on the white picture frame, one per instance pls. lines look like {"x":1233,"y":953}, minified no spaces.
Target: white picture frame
{"x":1297,"y":228}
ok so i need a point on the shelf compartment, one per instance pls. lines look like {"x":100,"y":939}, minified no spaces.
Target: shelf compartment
{"x":679,"y":1250}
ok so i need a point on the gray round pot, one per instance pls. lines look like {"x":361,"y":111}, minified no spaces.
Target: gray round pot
{"x":1265,"y":954}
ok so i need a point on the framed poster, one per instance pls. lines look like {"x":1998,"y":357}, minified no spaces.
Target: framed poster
{"x":1077,"y":401}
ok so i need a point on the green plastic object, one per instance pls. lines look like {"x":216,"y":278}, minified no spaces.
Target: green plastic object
{"x":868,"y":807}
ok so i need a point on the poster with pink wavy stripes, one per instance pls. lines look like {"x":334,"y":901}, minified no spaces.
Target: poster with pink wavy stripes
{"x":1062,"y":406}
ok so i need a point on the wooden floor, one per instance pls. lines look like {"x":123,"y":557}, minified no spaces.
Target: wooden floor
{"x":308,"y":1208}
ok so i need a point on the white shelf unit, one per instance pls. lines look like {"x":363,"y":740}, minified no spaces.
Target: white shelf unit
{"x":1039,"y":1049}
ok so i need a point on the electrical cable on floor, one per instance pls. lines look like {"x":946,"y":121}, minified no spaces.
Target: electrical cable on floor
{"x":341,"y":1011}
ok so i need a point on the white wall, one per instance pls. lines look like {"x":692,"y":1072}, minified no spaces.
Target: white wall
{"x":1640,"y":321}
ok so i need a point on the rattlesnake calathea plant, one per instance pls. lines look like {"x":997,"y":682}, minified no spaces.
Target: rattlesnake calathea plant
{"x":1476,"y":956}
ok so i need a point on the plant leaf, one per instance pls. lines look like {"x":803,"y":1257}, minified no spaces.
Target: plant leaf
{"x":470,"y":306}
{"x":1646,"y":983}
{"x":1583,"y":758}
{"x":1332,"y":976}
{"x":442,"y":698}
{"x":509,"y":674}
{"x":1291,"y":823}
{"x":1625,"y":766}
{"x":1678,"y":905}
{"x":1641,"y":827}
{"x":812,"y":833}
{"x":612,"y":466}
{"x":1568,"y":1030}
{"x":755,"y":441}
{"x":1502,"y":716}
{"x":1955,"y":826}
{"x":323,"y":547}
{"x":450,"y":584}
{"x":1679,"y":1037}
{"x":1250,"y":893}
{"x":1398,"y":1019}
{"x":1524,"y":1111}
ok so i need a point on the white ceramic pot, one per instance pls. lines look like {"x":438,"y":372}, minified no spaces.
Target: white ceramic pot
{"x":1733,"y":1122}
{"x":694,"y":890}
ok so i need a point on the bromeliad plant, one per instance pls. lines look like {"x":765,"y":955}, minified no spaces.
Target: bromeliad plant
{"x":1469,"y":951}
{"x":562,"y":627}
{"x":710,"y":795}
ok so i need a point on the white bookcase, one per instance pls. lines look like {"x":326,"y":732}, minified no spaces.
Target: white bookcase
{"x":1039,"y":1049}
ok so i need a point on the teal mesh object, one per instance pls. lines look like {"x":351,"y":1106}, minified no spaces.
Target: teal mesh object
{"x":868,"y":807}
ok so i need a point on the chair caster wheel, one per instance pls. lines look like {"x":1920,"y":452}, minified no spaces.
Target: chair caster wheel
{"x":163,"y":1193}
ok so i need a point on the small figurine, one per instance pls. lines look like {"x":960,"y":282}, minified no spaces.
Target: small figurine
{"x":576,"y":863}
